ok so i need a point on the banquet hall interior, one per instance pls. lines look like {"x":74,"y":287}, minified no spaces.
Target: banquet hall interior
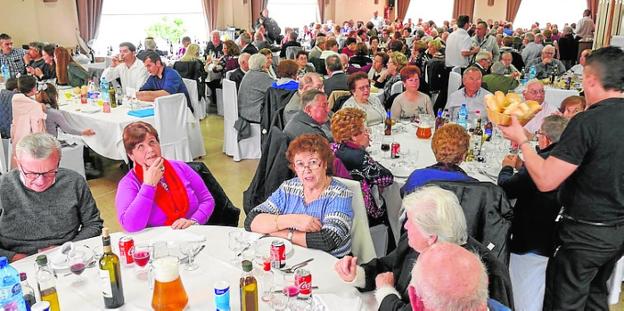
{"x":241,"y":155}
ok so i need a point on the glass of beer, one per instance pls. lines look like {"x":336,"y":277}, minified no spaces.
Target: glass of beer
{"x":169,"y":293}
{"x":424,"y":126}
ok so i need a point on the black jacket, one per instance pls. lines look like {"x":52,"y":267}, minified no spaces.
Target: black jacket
{"x":272,"y":109}
{"x":568,"y":48}
{"x":533,"y":225}
{"x":250,"y":48}
{"x":336,"y":82}
{"x":193,"y":70}
{"x":272,"y":170}
{"x":401,"y":261}
{"x":216,"y":50}
{"x":286,"y":45}
{"x":237,"y":77}
{"x":488,"y":213}
{"x":225,"y":213}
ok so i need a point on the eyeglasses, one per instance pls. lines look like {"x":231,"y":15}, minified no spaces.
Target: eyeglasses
{"x":363,"y":88}
{"x":312,"y":165}
{"x":537,"y":92}
{"x":32,"y":176}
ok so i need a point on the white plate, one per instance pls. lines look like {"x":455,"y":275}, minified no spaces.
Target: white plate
{"x":401,"y":172}
{"x":60,"y":262}
{"x":263,"y":246}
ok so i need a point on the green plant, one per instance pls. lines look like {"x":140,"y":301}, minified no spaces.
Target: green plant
{"x":168,"y":30}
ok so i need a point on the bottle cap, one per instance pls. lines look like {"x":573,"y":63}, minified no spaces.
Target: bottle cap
{"x":247,"y":266}
{"x":23,"y":276}
{"x":3,"y":262}
{"x":42,"y":260}
{"x":266,"y":265}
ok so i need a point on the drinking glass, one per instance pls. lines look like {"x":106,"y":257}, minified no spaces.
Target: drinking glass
{"x":77,"y":264}
{"x":405,"y":119}
{"x":279,"y":298}
{"x":141,"y":253}
{"x":189,"y":248}
{"x":234,"y":244}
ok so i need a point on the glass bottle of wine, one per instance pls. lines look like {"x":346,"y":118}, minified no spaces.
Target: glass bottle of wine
{"x":110,"y":275}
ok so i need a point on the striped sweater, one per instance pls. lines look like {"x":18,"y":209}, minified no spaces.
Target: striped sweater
{"x":332,"y":208}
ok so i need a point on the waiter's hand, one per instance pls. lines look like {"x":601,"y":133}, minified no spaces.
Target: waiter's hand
{"x":514,"y":132}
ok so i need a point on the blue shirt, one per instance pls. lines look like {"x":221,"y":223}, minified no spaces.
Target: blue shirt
{"x":421,"y":177}
{"x":171,"y":82}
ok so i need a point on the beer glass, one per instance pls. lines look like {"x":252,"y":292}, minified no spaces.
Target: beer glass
{"x":424,"y":126}
{"x":169,"y":293}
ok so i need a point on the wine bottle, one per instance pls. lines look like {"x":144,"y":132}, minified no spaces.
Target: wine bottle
{"x":110,"y":275}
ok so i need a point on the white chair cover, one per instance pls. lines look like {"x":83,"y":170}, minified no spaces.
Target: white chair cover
{"x":72,"y":159}
{"x":528,"y":279}
{"x":220,"y":101}
{"x":4,"y":165}
{"x":249,"y":148}
{"x":454,"y":82}
{"x":291,"y":51}
{"x":361,"y":241}
{"x":397,"y":88}
{"x":170,"y":114}
{"x":615,"y":282}
{"x":229,"y":73}
{"x":456,"y":69}
{"x":198,"y":108}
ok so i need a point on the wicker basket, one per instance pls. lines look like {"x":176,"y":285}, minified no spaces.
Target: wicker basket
{"x":500,"y":118}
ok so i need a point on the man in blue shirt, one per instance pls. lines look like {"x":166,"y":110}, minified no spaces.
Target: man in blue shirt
{"x":162,"y":81}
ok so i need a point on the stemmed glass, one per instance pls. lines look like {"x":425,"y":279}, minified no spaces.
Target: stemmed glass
{"x":141,"y":253}
{"x":234,"y":244}
{"x":77,"y":264}
{"x":189,"y":249}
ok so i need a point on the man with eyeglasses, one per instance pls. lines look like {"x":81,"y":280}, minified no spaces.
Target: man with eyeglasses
{"x":547,"y":65}
{"x":535,"y":91}
{"x":533,"y":226}
{"x":42,"y":205}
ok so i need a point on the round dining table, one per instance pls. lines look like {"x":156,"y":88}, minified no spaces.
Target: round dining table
{"x":215,"y":264}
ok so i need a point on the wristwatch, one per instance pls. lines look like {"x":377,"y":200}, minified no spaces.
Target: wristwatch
{"x":290,"y":234}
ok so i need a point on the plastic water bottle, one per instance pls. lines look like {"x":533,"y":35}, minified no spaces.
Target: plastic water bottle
{"x":91,"y":92}
{"x":532,"y":72}
{"x":462,"y":118}
{"x":104,"y":89}
{"x":6,"y":74}
{"x":10,"y":289}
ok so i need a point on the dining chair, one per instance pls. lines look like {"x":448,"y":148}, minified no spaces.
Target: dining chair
{"x":169,"y":113}
{"x":248,"y":148}
{"x":199,"y":107}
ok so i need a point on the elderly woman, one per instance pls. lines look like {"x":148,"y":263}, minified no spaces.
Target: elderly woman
{"x":190,"y":66}
{"x":396,"y":62}
{"x":450,"y":145}
{"x":253,"y":88}
{"x":378,"y":69}
{"x":287,"y":72}
{"x":351,"y":137}
{"x":411,"y":102}
{"x":269,"y":66}
{"x":311,"y":210}
{"x":571,"y":106}
{"x":157,"y":191}
{"x":361,"y":99}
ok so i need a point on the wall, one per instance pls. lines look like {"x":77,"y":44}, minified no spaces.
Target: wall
{"x":495,"y":12}
{"x":234,"y":13}
{"x":343,"y":10}
{"x":30,"y":20}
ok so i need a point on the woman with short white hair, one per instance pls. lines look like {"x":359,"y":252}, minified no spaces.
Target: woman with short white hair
{"x":253,"y":88}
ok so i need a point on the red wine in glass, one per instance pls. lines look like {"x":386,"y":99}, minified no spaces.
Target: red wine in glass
{"x":141,"y":258}
{"x":385,"y":147}
{"x":77,"y":268}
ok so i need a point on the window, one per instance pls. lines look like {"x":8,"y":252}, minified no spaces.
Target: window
{"x":293,"y":13}
{"x":441,"y":11}
{"x":557,"y":12}
{"x":125,"y":20}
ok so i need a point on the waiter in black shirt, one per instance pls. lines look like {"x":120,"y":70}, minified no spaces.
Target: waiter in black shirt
{"x":588,"y":163}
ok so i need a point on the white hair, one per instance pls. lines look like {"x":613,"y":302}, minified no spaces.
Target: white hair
{"x":243,"y":57}
{"x":38,"y":146}
{"x":257,"y":61}
{"x":437,"y":212}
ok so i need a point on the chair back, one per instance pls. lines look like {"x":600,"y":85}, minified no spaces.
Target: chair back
{"x":224,"y":213}
{"x":361,"y":241}
{"x":454,"y":82}
{"x":229,"y":74}
{"x":291,"y":51}
{"x":397,"y":88}
{"x":199,"y":112}
{"x":170,"y":114}
{"x":4,"y":165}
{"x":456,"y":69}
{"x":334,"y":96}
{"x":230,"y":115}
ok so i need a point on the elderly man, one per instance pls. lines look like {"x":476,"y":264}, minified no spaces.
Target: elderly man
{"x":292,"y":41}
{"x":434,"y":215}
{"x":253,"y":88}
{"x":578,"y":68}
{"x":459,"y":47}
{"x":337,"y":77}
{"x":163,"y":81}
{"x":587,"y":163}
{"x":485,"y":41}
{"x":260,"y":42}
{"x":483,"y":61}
{"x":472,"y":94}
{"x":532,"y":48}
{"x":312,"y":119}
{"x":127,"y":68}
{"x":504,"y":76}
{"x":310,"y":81}
{"x":214,"y":48}
{"x":533,"y":225}
{"x":245,"y":44}
{"x":547,"y":65}
{"x":449,"y":277}
{"x":505,"y":66}
{"x":13,"y":58}
{"x":535,"y":91}
{"x":243,"y":67}
{"x":318,"y":46}
{"x":43,"y":205}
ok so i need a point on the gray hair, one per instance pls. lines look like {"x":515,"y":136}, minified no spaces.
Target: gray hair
{"x":549,"y":48}
{"x":529,"y":36}
{"x":257,"y":62}
{"x":38,"y":146}
{"x":437,"y":212}
{"x":553,"y":127}
{"x":483,"y":55}
{"x":308,"y":79}
{"x":243,"y":57}
{"x":333,"y":63}
{"x":244,"y":38}
{"x":309,"y":97}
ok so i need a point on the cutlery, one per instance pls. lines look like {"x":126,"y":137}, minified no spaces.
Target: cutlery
{"x":281,"y":291}
{"x":297,"y":266}
{"x":244,"y":250}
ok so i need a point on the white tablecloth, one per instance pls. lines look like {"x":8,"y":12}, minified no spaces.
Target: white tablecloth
{"x":108,"y":128}
{"x":553,"y":96}
{"x":215,"y":266}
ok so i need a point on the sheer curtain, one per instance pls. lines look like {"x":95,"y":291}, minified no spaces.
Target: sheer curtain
{"x":89,"y":13}
{"x":463,"y":7}
{"x":512,"y":9}
{"x":211,"y":9}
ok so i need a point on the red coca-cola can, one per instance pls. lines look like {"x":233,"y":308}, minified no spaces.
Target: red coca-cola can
{"x":395,"y":148}
{"x":126,"y":243}
{"x":303,"y":281}
{"x":278,"y":254}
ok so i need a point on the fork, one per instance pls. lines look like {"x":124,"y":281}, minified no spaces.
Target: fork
{"x":297,"y":266}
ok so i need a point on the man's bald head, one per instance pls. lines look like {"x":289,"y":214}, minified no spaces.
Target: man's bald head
{"x":449,"y":277}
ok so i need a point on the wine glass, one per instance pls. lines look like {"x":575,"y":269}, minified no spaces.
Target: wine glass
{"x":234,"y":244}
{"x":189,"y":249}
{"x":141,"y":253}
{"x":77,"y":264}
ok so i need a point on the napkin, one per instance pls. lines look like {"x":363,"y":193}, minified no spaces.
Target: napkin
{"x":336,"y":302}
{"x":141,"y":113}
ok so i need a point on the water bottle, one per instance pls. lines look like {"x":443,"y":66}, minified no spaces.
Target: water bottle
{"x":532,"y":72}
{"x":104,"y":89}
{"x":462,"y":118}
{"x":6,"y":74}
{"x":10,"y":289}
{"x":91,"y":92}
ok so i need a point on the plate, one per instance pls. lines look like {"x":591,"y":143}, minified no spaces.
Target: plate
{"x":401,"y":172}
{"x":263,"y":246}
{"x":60,"y":262}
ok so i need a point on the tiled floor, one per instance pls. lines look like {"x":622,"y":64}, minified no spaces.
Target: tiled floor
{"x":234,"y":177}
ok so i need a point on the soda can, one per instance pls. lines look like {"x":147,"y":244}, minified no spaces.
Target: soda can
{"x":278,"y":254}
{"x":395,"y":148}
{"x":126,"y":244}
{"x":40,"y":306}
{"x":303,"y":281}
{"x":222,"y":296}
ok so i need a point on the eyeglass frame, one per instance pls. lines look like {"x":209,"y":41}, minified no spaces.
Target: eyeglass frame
{"x":48,"y":174}
{"x":309,"y":165}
